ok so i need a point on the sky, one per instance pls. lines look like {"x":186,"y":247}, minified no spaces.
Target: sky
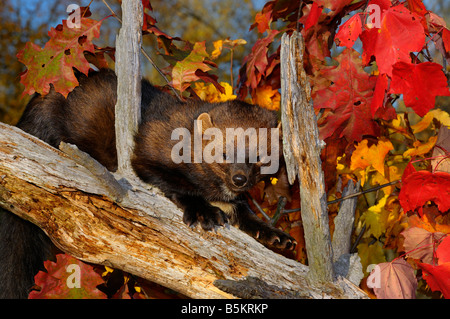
{"x":28,"y":6}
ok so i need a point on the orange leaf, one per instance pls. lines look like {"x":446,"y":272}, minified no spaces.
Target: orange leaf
{"x":266,"y":97}
{"x":421,"y":148}
{"x":364,"y":156}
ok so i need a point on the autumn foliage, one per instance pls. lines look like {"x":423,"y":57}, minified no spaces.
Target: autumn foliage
{"x":375,"y":69}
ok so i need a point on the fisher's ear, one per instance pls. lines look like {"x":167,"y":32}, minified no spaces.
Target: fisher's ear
{"x":205,"y":120}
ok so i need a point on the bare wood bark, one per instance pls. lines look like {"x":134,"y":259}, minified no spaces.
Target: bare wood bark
{"x":344,"y":263}
{"x":144,"y":234}
{"x":128,"y":70}
{"x":301,"y":148}
{"x":344,"y":222}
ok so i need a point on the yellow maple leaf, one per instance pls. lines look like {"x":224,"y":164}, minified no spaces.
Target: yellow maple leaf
{"x":227,"y":44}
{"x":267,"y":97}
{"x":107,"y":271}
{"x":399,"y":126}
{"x":425,"y":122}
{"x":208,"y":92}
{"x":370,"y":254}
{"x":217,"y":49}
{"x":375,"y":218}
{"x":364,"y":157}
{"x":421,"y":148}
{"x":442,"y":117}
{"x":395,"y":173}
{"x":399,"y":123}
{"x":378,"y":179}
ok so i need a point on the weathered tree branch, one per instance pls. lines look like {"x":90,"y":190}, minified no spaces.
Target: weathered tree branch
{"x":116,"y":191}
{"x":344,"y":222}
{"x":144,"y":234}
{"x":346,"y":264}
{"x":301,"y":148}
{"x":128,"y":70}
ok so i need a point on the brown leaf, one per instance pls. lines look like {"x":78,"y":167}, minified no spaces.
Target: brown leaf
{"x":394,"y":280}
{"x":420,"y":243}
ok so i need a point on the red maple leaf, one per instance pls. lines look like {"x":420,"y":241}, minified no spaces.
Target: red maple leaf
{"x":437,"y":277}
{"x":379,"y":93}
{"x":313,"y":16}
{"x":420,"y":187}
{"x":400,"y":33}
{"x":60,"y":280}
{"x":349,"y":31}
{"x":148,"y":19}
{"x":53,"y":64}
{"x":443,"y":251}
{"x":417,"y":7}
{"x":382,"y":4}
{"x":256,"y":62}
{"x":419,"y":84}
{"x":409,"y":169}
{"x":446,"y":39}
{"x":348,"y":98}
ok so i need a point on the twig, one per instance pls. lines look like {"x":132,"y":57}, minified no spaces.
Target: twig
{"x":363,"y":192}
{"x":258,"y":207}
{"x":279,"y":211}
{"x":162,"y":74}
{"x":293,"y":210}
{"x":112,"y":11}
{"x":298,"y":15}
{"x":355,"y":244}
{"x":231,"y":70}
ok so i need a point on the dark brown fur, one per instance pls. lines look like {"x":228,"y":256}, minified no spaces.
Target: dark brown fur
{"x":208,"y":193}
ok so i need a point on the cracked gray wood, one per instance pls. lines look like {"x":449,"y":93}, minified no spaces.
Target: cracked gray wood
{"x":301,"y":148}
{"x":128,"y":70}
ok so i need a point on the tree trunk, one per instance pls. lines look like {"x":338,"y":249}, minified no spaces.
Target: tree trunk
{"x":301,"y":148}
{"x":144,"y":233}
{"x":128,"y":70}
